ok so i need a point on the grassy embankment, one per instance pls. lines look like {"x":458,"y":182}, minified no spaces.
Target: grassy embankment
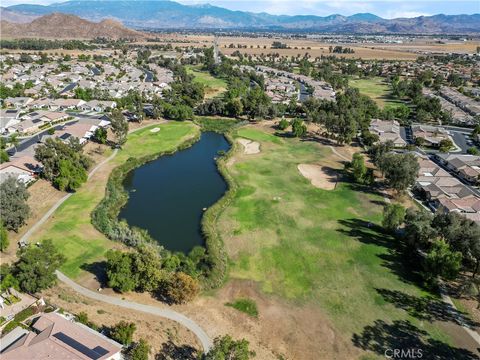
{"x":310,"y":245}
{"x":377,"y":89}
{"x":70,"y":227}
{"x":213,"y":86}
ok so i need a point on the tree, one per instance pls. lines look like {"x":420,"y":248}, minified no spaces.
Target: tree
{"x":123,"y":332}
{"x":400,"y":170}
{"x":13,"y":200}
{"x":4,"y":242}
{"x":181,"y":288}
{"x":64,"y":164}
{"x":358,"y":168}
{"x":298,"y":128}
{"x":393,"y":216}
{"x":283,"y":124}
{"x":35,"y":269}
{"x":442,"y":261}
{"x":70,"y":176}
{"x":119,"y":271}
{"x":147,"y":264}
{"x":473,"y":151}
{"x":119,"y":126}
{"x":445,"y":145}
{"x":139,"y":351}
{"x":225,"y":347}
{"x":418,"y":228}
{"x":100,"y":135}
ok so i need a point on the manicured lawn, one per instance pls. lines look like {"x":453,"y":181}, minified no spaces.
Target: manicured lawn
{"x":213,"y":86}
{"x":377,"y":89}
{"x":70,"y":227}
{"x":310,"y":245}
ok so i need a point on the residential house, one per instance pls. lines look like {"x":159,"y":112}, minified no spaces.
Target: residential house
{"x":53,"y":336}
{"x":66,"y":104}
{"x":98,"y":105}
{"x":466,"y":167}
{"x":23,"y":168}
{"x":17,"y":102}
{"x":387,"y":130}
{"x":432,"y":135}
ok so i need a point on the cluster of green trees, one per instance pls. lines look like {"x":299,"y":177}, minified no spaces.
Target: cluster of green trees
{"x":359,"y":171}
{"x":64,"y":164}
{"x":43,"y":44}
{"x":426,"y":108}
{"x":340,"y":50}
{"x":400,"y":169}
{"x":171,"y":277}
{"x":343,"y":118}
{"x":35,"y":269}
{"x":445,"y":242}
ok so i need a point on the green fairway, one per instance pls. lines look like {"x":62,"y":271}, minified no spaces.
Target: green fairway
{"x":310,"y":245}
{"x":377,"y":89}
{"x":213,"y":86}
{"x":70,"y":227}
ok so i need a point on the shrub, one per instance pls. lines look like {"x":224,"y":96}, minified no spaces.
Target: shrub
{"x":247,"y":306}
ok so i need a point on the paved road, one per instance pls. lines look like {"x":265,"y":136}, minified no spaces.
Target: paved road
{"x":154,"y":310}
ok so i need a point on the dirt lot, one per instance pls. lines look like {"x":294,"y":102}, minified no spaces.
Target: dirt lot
{"x":155,"y":330}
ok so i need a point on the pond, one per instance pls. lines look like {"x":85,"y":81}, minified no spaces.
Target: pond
{"x":167,"y":195}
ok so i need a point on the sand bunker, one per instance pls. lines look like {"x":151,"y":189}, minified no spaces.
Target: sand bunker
{"x":251,"y":147}
{"x":319,"y":176}
{"x":154,"y":130}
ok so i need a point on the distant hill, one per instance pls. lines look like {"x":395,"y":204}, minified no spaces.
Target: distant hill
{"x":63,"y":26}
{"x":15,"y":17}
{"x":164,"y":14}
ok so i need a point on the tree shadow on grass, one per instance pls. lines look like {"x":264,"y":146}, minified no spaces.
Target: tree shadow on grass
{"x":426,"y":308}
{"x":98,"y":269}
{"x":400,"y":262}
{"x":382,"y":338}
{"x":170,"y":351}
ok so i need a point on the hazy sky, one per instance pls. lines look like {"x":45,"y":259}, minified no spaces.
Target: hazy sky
{"x":384,"y":8}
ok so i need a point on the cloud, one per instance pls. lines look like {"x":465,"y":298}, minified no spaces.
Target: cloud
{"x":404,"y":14}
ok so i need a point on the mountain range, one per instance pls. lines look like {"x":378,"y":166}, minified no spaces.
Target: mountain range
{"x":165,"y":14}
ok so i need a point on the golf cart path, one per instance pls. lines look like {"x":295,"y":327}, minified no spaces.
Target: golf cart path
{"x":41,"y":221}
{"x":154,"y":310}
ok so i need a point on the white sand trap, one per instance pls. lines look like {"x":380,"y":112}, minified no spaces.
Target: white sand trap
{"x":251,"y":147}
{"x":318,"y":176}
{"x":154,"y":130}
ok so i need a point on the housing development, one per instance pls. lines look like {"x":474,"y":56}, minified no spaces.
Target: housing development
{"x":189,"y":181}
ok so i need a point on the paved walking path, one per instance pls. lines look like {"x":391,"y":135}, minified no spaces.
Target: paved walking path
{"x":26,"y":236}
{"x":154,"y":310}
{"x":166,"y":313}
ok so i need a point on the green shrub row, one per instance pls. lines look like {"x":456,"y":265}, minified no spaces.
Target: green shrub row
{"x":216,"y":252}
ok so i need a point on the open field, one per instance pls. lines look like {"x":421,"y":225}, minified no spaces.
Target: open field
{"x":315,"y":248}
{"x":70,"y":227}
{"x":377,"y":89}
{"x":213,"y":86}
{"x":404,"y":51}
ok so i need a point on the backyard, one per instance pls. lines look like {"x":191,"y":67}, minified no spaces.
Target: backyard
{"x":70,"y":227}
